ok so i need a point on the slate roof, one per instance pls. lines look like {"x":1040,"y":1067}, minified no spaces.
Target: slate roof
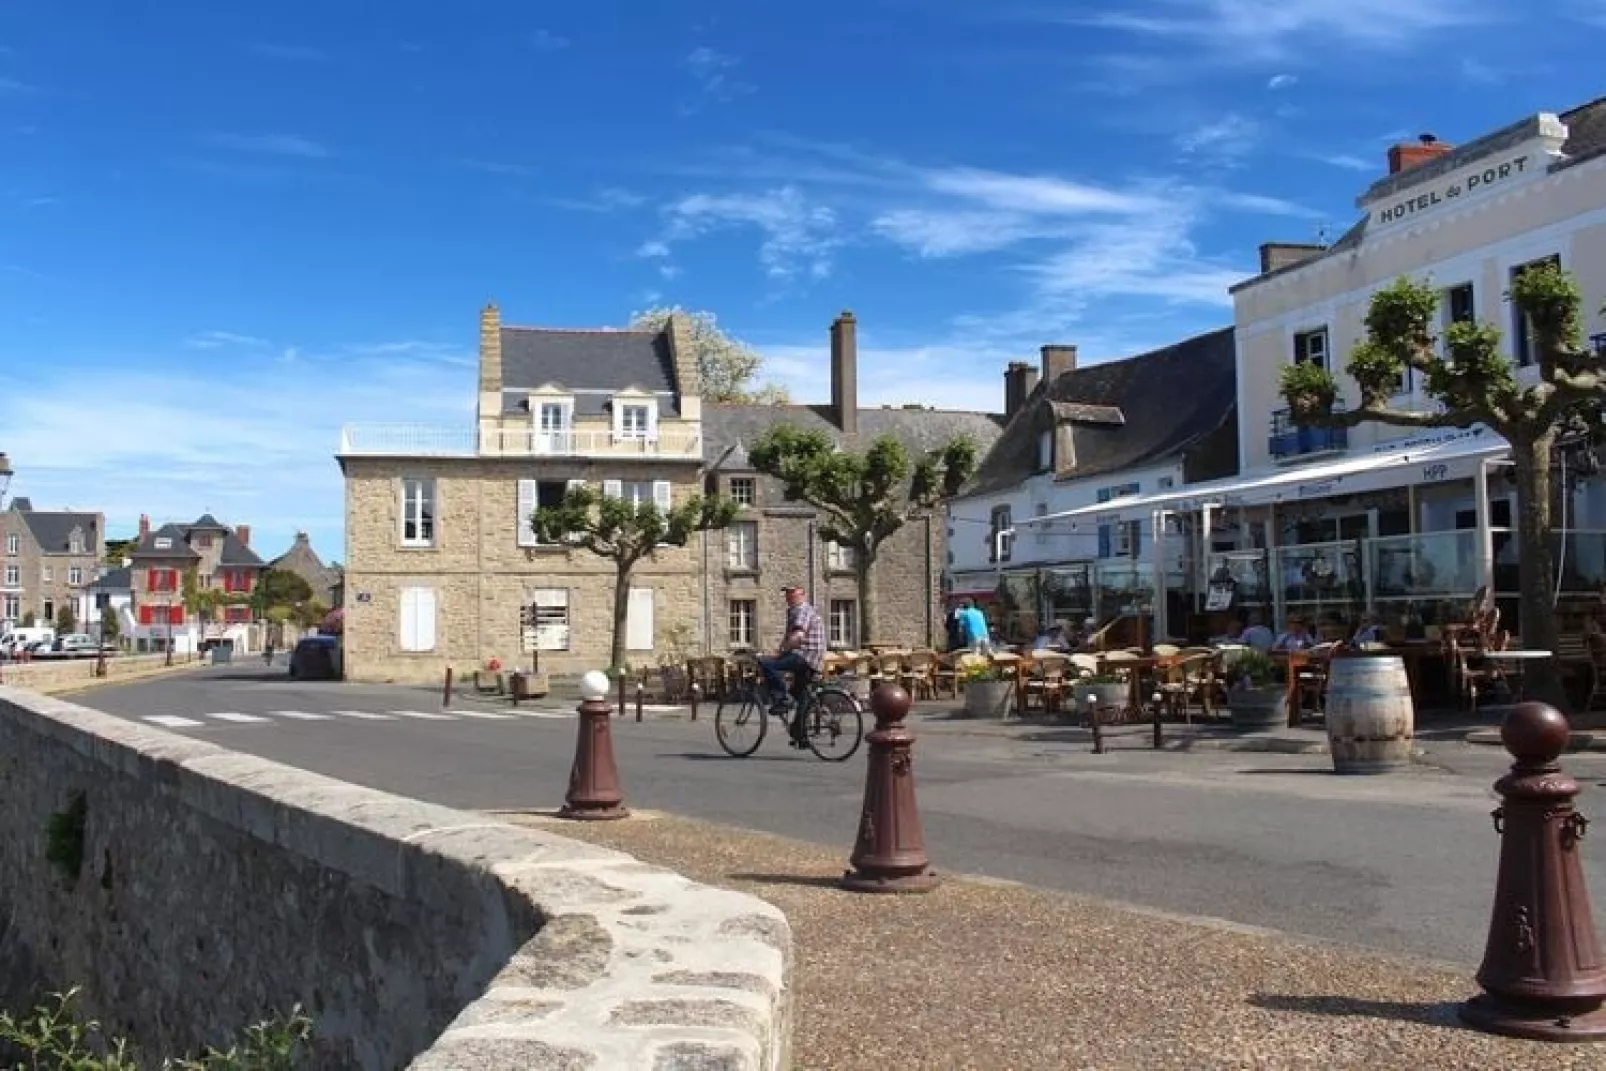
{"x":1168,"y":400}
{"x":116,"y":579}
{"x":207,"y":523}
{"x":729,"y":429}
{"x":52,"y":529}
{"x":302,"y":560}
{"x":178,"y":548}
{"x":237,"y":554}
{"x":593,"y":364}
{"x":1586,"y":139}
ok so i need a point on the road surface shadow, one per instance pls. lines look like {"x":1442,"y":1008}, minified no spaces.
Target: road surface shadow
{"x":720,"y":756}
{"x":813,"y":881}
{"x":1441,"y":1013}
{"x":1323,"y":772}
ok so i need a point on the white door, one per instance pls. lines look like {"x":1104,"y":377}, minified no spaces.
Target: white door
{"x":638,"y":624}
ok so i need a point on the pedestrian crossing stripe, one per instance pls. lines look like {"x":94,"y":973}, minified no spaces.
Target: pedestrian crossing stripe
{"x":300,"y":715}
{"x":238,"y":719}
{"x":172,"y":721}
{"x":365,"y":715}
{"x":488,"y":715}
{"x":422,"y":715}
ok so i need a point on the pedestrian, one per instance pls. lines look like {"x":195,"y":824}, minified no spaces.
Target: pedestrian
{"x":267,"y":652}
{"x":973,"y":625}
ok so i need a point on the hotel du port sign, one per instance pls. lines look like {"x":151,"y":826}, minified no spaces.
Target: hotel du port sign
{"x":1471,"y":181}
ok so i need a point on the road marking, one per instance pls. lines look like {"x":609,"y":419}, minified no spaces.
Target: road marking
{"x":365,"y":715}
{"x":488,"y":715}
{"x":300,"y":715}
{"x":238,"y":719}
{"x":171,"y":721}
{"x":422,"y":715}
{"x":557,"y":714}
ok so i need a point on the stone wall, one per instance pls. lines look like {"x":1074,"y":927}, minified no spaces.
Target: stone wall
{"x":204,"y":890}
{"x":66,"y":674}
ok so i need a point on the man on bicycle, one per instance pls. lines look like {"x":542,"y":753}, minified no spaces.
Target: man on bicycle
{"x":802,"y":654}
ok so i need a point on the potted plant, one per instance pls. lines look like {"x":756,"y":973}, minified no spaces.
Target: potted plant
{"x":988,"y":689}
{"x":1257,"y":696}
{"x":1103,"y":690}
{"x":489,"y":678}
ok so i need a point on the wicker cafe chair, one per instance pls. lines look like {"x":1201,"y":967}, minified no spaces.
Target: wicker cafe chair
{"x":1048,"y":679}
{"x":946,"y":674}
{"x":1576,"y":657}
{"x":1188,"y":679}
{"x":919,"y":674}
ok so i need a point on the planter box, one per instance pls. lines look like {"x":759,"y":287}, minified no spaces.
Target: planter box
{"x":1258,"y":708}
{"x":530,"y":686}
{"x":488,"y":683}
{"x":989,"y":699}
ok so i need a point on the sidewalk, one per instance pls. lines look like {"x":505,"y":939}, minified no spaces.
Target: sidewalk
{"x":997,"y":976}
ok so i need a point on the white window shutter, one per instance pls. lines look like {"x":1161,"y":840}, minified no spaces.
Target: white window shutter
{"x":618,"y":418}
{"x":613,"y":488}
{"x":573,"y":484}
{"x":426,"y":619}
{"x":661,"y":495}
{"x":638,"y":622}
{"x":409,"y":619}
{"x":527,"y":502}
{"x":652,"y":421}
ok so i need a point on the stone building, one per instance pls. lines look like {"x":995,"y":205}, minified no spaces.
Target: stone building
{"x":48,"y":559}
{"x":442,"y":566}
{"x":222,"y":560}
{"x":304,"y":562}
{"x":776,"y":542}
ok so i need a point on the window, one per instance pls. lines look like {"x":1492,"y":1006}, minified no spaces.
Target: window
{"x":75,"y":575}
{"x":75,"y":542}
{"x":741,"y":547}
{"x":1522,"y":347}
{"x":46,"y":574}
{"x":50,"y":612}
{"x":1165,"y":483}
{"x":546,"y":621}
{"x":418,"y":514}
{"x":13,"y":544}
{"x":13,"y":576}
{"x":147,"y":615}
{"x":202,"y":540}
{"x":10,"y":608}
{"x":840,"y":558}
{"x":1045,"y":451}
{"x":175,"y":615}
{"x":554,"y":416}
{"x":1118,"y":540}
{"x":1000,"y":536}
{"x":418,"y":619}
{"x":1459,"y":306}
{"x":633,"y":421}
{"x":161,"y":580}
{"x":553,"y":419}
{"x":744,"y":490}
{"x":743,"y":613}
{"x":843,"y":628}
{"x":1311,"y":347}
{"x":163,"y":543}
{"x":237,"y":615}
{"x":1041,"y":510}
{"x":536,"y":495}
{"x":640,"y":492}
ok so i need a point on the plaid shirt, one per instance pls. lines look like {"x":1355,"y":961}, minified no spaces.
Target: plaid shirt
{"x":803,"y":618}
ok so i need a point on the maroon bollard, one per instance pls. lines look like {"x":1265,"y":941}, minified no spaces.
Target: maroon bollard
{"x":623,"y":706}
{"x":446,"y":692}
{"x":890,"y":855}
{"x":640,"y":693}
{"x":696,"y":694}
{"x":1542,"y":973}
{"x":594,"y":778}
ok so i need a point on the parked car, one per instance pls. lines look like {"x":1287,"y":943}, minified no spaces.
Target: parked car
{"x":19,"y":639}
{"x":314,"y":658}
{"x":75,"y":645}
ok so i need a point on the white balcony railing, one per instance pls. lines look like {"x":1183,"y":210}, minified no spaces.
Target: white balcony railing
{"x":426,"y":440}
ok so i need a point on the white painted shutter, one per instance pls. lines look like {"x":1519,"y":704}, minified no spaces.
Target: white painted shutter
{"x":426,"y":619}
{"x":661,"y":496}
{"x":613,"y":488}
{"x":618,"y":418}
{"x":527,"y":502}
{"x":652,"y":422}
{"x":418,"y":619}
{"x":409,"y":619}
{"x":638,"y":622}
{"x":573,"y":484}
{"x":572,"y":537}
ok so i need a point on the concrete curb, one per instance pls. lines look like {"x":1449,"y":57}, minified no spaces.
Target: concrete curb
{"x":1579,"y":741}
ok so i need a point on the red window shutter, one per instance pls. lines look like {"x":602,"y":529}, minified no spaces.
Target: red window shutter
{"x":151,"y":580}
{"x":145,"y":616}
{"x":175,"y":615}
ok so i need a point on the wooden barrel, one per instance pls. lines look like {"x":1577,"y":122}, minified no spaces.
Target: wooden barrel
{"x":1370,"y":717}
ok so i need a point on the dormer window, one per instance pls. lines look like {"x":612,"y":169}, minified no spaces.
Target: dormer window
{"x":633,"y":421}
{"x":163,"y":543}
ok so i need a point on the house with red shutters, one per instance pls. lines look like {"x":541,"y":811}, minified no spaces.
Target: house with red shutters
{"x":219,"y":558}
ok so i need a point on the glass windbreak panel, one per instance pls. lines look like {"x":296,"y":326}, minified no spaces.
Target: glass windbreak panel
{"x":1068,"y":593}
{"x":1320,"y":575}
{"x":1237,"y":579}
{"x":1124,"y":588}
{"x":1580,"y":559}
{"x":1015,"y":609}
{"x":1427,"y":565}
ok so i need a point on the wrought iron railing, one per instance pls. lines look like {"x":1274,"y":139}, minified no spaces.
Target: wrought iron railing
{"x":1288,"y":439}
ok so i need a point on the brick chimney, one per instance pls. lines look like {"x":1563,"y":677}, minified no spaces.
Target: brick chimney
{"x":1274,"y":255}
{"x":1407,"y":155}
{"x":144,"y":525}
{"x":491,"y":363}
{"x":845,"y":372}
{"x":1057,"y":360}
{"x":243,"y":534}
{"x":1020,"y":379}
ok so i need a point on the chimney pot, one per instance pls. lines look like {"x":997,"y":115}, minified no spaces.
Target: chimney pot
{"x":1274,"y":255}
{"x":1414,"y":154}
{"x":1058,"y":359}
{"x":845,"y":373}
{"x":243,"y":534}
{"x":144,"y":525}
{"x":1020,"y":379}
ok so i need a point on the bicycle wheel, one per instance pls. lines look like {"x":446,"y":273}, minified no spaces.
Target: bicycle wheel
{"x":740,"y":723}
{"x":835,"y":725}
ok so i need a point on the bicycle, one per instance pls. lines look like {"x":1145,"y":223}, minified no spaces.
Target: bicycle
{"x":835,"y":720}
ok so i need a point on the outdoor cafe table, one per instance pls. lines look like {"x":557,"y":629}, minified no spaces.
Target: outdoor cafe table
{"x":1518,"y":661}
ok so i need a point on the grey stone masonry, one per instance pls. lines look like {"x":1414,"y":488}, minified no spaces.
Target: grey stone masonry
{"x":193,"y":891}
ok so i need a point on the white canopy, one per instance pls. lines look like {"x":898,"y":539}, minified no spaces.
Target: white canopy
{"x":1395,"y":464}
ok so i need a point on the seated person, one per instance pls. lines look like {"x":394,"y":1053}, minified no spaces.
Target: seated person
{"x":1250,"y":632}
{"x":1053,"y":638}
{"x":1296,"y":637}
{"x":1370,"y":630}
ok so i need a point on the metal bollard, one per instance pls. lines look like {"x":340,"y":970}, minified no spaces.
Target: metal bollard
{"x":696,"y":694}
{"x":1543,"y":975}
{"x":446,"y":692}
{"x":1159,"y":734}
{"x":1094,"y":723}
{"x":621,"y":704}
{"x":890,"y":853}
{"x":640,"y":690}
{"x":594,"y":778}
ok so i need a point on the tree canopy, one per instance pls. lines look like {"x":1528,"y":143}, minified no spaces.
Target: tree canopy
{"x":726,"y":366}
{"x":1468,"y":381}
{"x":863,"y":498}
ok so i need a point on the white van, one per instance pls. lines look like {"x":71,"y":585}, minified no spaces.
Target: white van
{"x":13,"y":642}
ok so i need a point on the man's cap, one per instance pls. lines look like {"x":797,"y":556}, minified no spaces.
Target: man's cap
{"x":789,"y":588}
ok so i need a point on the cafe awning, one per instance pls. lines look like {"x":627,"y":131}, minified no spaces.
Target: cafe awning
{"x":1399,"y":464}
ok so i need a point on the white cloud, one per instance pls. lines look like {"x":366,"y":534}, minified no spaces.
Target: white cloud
{"x":1227,"y":139}
{"x":499,"y":167}
{"x":213,"y":340}
{"x":1480,"y":73}
{"x":1347,"y":161}
{"x":547,"y":41}
{"x":712,"y":73}
{"x":799,"y":235}
{"x":953,"y":233}
{"x":1281,"y":81}
{"x":272,"y":145}
{"x":608,"y":199}
{"x":1262,"y":205}
{"x":1034,"y":193}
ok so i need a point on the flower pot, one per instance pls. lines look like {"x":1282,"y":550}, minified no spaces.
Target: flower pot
{"x":989,"y":699}
{"x":1259,"y":708}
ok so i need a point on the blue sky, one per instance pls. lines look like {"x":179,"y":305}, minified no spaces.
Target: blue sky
{"x":228,"y":228}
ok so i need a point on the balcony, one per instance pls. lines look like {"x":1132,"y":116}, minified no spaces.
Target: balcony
{"x":1289,"y":440}
{"x":431,"y":440}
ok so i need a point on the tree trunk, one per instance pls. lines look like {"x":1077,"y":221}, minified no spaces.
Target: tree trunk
{"x":1536,"y":568}
{"x":863,"y":566}
{"x":621,"y":615}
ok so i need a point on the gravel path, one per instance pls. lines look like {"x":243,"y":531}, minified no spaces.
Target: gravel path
{"x":996,"y":976}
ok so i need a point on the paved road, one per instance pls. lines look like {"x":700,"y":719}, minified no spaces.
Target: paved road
{"x":1403,"y":863}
